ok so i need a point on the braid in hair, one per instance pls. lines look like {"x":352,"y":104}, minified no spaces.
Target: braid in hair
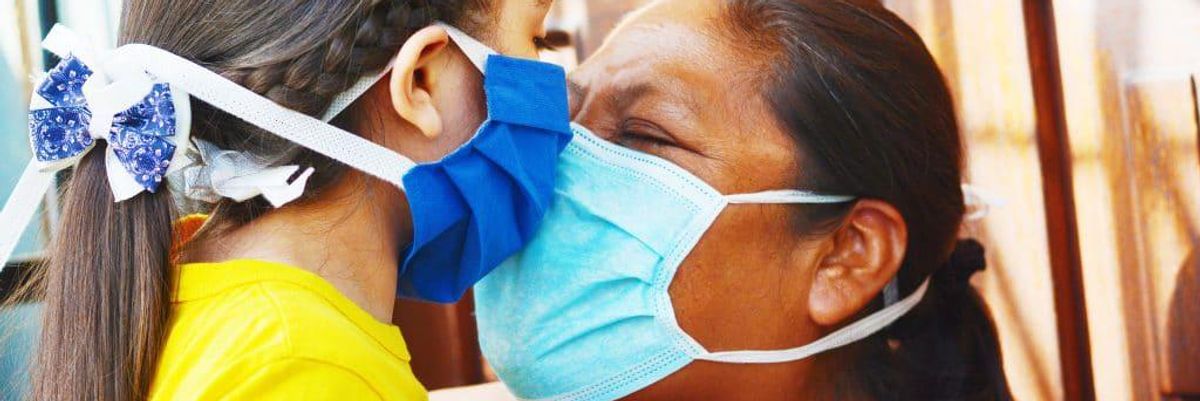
{"x":308,"y":82}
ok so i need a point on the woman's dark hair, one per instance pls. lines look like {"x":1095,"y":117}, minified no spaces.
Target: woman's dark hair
{"x":107,"y":298}
{"x":867,"y":104}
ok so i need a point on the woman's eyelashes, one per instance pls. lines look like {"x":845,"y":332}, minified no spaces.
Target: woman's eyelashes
{"x":643,"y":136}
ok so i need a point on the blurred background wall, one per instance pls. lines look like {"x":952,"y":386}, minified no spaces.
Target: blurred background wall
{"x":1081,"y":118}
{"x":1128,"y":89}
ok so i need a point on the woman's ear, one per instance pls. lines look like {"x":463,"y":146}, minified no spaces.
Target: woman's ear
{"x":414,"y":74}
{"x":865,"y":254}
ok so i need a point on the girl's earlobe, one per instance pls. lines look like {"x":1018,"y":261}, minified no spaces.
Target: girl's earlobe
{"x":413,"y":77}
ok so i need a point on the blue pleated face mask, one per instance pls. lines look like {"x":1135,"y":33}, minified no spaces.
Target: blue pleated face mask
{"x":584,"y":313}
{"x":483,"y":202}
{"x":471,"y":210}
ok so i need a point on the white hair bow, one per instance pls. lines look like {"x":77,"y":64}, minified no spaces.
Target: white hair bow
{"x":240,"y":176}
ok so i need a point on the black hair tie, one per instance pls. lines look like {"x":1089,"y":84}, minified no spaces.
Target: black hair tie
{"x":968,"y":258}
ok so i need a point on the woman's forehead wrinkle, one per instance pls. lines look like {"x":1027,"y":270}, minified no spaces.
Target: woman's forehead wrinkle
{"x":675,"y":65}
{"x":666,"y":94}
{"x":679,"y":99}
{"x":697,"y":86}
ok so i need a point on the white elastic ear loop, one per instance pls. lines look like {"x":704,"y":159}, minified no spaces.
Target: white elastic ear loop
{"x":979,"y":202}
{"x":21,"y":206}
{"x":891,"y":293}
{"x":311,"y":133}
{"x":846,"y":335}
{"x":787,"y":196}
{"x":343,"y":100}
{"x":474,"y":49}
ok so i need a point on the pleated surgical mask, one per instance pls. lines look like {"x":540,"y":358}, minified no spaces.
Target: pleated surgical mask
{"x":584,"y":313}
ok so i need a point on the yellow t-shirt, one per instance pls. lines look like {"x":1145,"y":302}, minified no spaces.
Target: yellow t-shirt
{"x":254,"y":330}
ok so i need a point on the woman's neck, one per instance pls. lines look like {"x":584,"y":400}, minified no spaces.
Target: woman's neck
{"x":835,"y":375}
{"x":351,"y":240}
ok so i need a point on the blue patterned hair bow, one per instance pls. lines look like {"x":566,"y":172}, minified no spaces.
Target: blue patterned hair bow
{"x":86,"y":98}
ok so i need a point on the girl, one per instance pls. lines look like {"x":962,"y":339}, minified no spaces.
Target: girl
{"x":261,"y":300}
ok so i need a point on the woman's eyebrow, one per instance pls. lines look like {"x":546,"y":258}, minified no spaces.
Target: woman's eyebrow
{"x":622,"y":97}
{"x":665,"y":99}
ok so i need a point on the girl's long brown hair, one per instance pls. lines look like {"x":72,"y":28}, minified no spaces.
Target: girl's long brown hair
{"x":106,"y":281}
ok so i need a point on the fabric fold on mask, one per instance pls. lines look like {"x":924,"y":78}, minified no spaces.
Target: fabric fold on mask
{"x":594,"y":282}
{"x":459,"y":233}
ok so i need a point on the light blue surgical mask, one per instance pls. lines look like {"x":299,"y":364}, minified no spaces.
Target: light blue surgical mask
{"x":583,"y":313}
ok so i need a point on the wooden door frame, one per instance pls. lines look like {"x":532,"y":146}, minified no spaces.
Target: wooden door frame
{"x":1058,"y":187}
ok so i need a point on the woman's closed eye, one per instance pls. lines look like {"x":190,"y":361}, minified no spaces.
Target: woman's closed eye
{"x":644,"y":136}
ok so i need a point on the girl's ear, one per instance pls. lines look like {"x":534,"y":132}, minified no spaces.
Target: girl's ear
{"x":865,"y":255}
{"x":413,"y":77}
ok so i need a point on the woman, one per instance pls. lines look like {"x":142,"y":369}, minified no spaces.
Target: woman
{"x":651,"y":280}
{"x":262,"y":300}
